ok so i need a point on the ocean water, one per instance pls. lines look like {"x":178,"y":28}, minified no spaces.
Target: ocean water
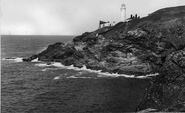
{"x":36,"y":87}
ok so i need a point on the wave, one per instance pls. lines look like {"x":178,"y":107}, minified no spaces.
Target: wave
{"x":17,"y":59}
{"x":57,"y":64}
{"x":46,"y":69}
{"x":100,"y":74}
{"x":43,"y":65}
{"x":35,"y":60}
{"x":104,"y":74}
{"x":57,"y":77}
{"x":78,"y":77}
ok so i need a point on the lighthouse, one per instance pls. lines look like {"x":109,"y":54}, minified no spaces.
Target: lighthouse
{"x":123,"y":13}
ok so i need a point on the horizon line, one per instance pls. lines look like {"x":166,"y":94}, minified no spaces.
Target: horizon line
{"x":35,"y":35}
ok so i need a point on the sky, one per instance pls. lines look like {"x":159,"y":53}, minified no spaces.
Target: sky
{"x":69,"y":17}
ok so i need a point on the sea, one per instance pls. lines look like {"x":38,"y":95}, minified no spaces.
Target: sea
{"x":37,"y":87}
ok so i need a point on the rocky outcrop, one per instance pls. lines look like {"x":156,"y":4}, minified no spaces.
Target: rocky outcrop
{"x":153,"y":44}
{"x":167,"y":91}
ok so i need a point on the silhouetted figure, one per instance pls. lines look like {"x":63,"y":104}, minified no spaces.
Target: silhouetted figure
{"x":131,"y":16}
{"x":136,"y":16}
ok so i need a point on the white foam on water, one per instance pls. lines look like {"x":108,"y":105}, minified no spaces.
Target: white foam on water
{"x":147,"y":110}
{"x":43,"y":65}
{"x":151,"y":75}
{"x":100,"y":74}
{"x":18,"y":59}
{"x":56,"y":78}
{"x":105,"y":74}
{"x":46,"y":69}
{"x":36,"y":60}
{"x":78,"y":77}
{"x":3,"y":59}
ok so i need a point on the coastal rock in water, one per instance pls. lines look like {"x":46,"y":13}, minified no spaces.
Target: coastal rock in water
{"x":30,"y":58}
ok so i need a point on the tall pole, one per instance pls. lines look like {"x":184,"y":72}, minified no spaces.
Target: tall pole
{"x":123,"y":13}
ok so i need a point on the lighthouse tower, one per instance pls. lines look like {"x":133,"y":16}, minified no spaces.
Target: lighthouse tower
{"x":123,"y":13}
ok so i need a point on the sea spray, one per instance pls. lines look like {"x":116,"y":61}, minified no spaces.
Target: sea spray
{"x":57,"y":77}
{"x":47,"y":69}
{"x":43,"y":65}
{"x":35,"y":60}
{"x":78,"y":77}
{"x":17,"y":59}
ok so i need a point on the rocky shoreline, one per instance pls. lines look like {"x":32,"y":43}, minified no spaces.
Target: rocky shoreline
{"x":153,"y":44}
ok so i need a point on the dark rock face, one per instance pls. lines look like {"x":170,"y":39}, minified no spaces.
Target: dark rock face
{"x":153,"y":44}
{"x":167,"y":91}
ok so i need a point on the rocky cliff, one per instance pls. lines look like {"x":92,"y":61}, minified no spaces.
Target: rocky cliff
{"x":153,"y":44}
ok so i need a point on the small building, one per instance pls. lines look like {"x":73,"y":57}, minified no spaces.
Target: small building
{"x":106,"y":24}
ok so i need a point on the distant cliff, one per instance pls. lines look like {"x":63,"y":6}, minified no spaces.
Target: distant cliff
{"x":153,"y":44}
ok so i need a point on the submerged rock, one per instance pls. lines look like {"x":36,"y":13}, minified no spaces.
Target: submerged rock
{"x":30,"y":58}
{"x":153,"y":44}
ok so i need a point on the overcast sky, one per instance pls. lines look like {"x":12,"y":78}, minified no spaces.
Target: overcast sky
{"x":69,"y":17}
